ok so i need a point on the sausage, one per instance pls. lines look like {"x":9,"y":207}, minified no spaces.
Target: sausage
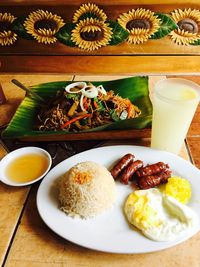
{"x":150,"y":181}
{"x":152,"y":169}
{"x":121,"y":165}
{"x":126,"y":175}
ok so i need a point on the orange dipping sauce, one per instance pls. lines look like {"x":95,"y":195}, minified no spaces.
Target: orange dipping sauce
{"x":27,"y":168}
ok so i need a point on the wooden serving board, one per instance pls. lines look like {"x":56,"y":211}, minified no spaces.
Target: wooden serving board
{"x":10,"y":92}
{"x":104,"y":135}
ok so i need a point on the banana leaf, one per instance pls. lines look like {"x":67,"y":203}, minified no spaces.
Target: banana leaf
{"x":134,"y":88}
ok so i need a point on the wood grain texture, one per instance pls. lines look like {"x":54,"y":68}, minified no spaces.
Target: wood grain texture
{"x":194,"y":149}
{"x":194,"y":129}
{"x":11,"y":205}
{"x":101,"y":2}
{"x":101,"y":65}
{"x":160,"y":47}
{"x":163,"y":46}
{"x":32,"y":54}
{"x":102,"y":135}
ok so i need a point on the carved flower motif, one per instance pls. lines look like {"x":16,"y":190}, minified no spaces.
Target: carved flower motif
{"x":91,"y":34}
{"x":140,"y":23}
{"x":188,"y":21}
{"x":91,"y":10}
{"x":7,"y":36}
{"x":43,"y":25}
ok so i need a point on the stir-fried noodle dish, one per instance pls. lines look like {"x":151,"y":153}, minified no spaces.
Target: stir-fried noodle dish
{"x":83,"y":106}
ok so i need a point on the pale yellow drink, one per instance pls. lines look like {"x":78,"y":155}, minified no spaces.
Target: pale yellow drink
{"x":174,"y":104}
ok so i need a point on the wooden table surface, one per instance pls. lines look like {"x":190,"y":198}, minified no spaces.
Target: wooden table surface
{"x":24,"y":238}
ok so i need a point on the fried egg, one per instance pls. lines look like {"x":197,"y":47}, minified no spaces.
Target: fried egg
{"x":177,"y":187}
{"x":160,"y":217}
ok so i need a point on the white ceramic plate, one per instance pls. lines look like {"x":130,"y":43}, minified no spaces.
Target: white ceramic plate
{"x":110,"y":232}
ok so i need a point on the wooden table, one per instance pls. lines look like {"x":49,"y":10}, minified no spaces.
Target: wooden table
{"x":26,"y":241}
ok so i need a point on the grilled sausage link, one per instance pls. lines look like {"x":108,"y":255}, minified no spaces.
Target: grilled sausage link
{"x":126,"y":175}
{"x":121,"y":165}
{"x":152,"y":169}
{"x":150,"y":181}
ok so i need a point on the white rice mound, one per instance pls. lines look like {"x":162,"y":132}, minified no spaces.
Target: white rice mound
{"x":86,"y":190}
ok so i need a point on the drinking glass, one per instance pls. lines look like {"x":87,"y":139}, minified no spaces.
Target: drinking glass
{"x":174,"y":103}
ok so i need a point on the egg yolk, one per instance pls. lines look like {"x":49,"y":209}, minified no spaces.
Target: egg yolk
{"x":179,"y":188}
{"x":144,"y":216}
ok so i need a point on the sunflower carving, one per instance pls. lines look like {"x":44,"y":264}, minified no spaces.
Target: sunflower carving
{"x":7,"y":36}
{"x":91,"y":34}
{"x":140,"y":23}
{"x":90,"y":29}
{"x":43,"y":25}
{"x":188,"y":21}
{"x":89,"y":10}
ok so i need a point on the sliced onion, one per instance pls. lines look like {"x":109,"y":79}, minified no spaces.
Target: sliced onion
{"x":81,"y":103}
{"x":76,"y":87}
{"x":101,"y":90}
{"x":90,"y":91}
{"x":123,"y":115}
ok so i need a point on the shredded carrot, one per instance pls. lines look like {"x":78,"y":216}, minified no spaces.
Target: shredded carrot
{"x":73,"y":120}
{"x":84,"y":99}
{"x":129,"y":110}
{"x":87,"y":104}
{"x":95,"y":104}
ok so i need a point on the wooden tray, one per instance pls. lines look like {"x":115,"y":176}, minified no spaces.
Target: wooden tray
{"x":22,"y":125}
{"x":104,"y":135}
